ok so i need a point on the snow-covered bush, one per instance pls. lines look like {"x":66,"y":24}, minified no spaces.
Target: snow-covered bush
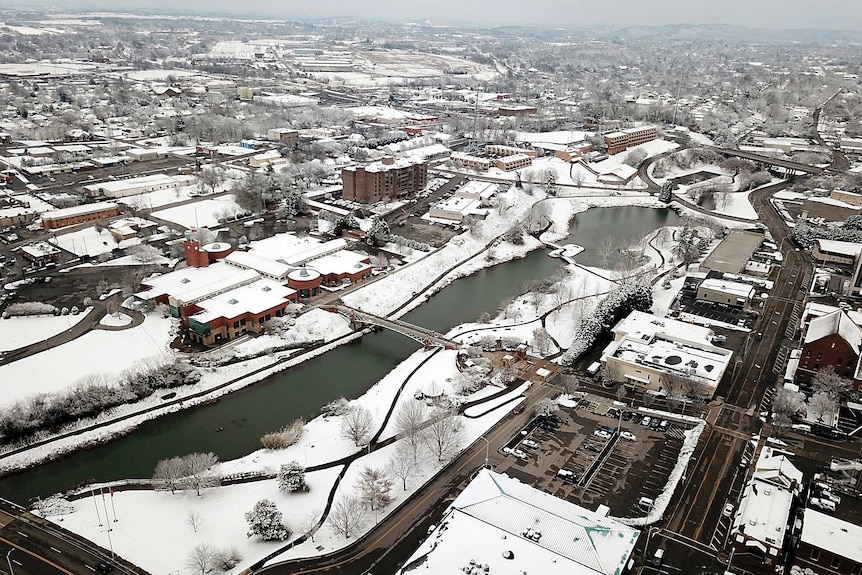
{"x":29,"y":308}
{"x":291,"y":478}
{"x":335,"y":408}
{"x":265,"y":522}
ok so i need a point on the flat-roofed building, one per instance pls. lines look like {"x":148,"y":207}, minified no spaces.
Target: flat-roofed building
{"x":828,"y":545}
{"x":78,"y":214}
{"x":137,"y":186}
{"x":835,"y":252}
{"x":759,"y":531}
{"x":659,"y":355}
{"x":731,"y":255}
{"x":727,"y":292}
{"x":515,"y":162}
{"x":500,"y":150}
{"x":40,"y":254}
{"x":620,"y":141}
{"x":472,"y":162}
{"x":386,"y":179}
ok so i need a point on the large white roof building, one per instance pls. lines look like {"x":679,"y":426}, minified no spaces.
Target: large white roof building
{"x":510,"y":527}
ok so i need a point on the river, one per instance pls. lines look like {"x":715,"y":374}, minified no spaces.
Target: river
{"x":244,"y":416}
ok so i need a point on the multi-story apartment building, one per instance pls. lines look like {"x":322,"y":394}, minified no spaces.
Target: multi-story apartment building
{"x":388,"y":178}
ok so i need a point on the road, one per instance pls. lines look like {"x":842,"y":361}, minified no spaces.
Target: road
{"x":32,"y":546}
{"x":391,"y":542}
{"x":714,"y":467}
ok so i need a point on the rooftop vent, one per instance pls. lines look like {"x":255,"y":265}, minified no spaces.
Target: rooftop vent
{"x":232,"y":301}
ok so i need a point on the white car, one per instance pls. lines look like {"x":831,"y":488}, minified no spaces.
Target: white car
{"x":530,"y":443}
{"x":602,"y":433}
{"x":519,"y":454}
{"x":728,"y":510}
{"x":628,"y":435}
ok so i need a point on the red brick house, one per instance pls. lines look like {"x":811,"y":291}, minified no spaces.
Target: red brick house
{"x":832,"y":339}
{"x":828,"y":545}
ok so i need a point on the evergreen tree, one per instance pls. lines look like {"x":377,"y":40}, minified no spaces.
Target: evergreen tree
{"x":265,"y":522}
{"x":291,"y":478}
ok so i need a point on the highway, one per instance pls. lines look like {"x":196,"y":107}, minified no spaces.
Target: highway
{"x":30,"y":545}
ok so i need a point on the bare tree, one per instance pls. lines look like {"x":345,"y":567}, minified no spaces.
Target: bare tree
{"x":546,"y":406}
{"x":403,"y":463}
{"x":785,"y":406}
{"x":607,"y":248}
{"x":542,"y":340}
{"x":829,"y":382}
{"x":443,"y":437}
{"x":408,"y":423}
{"x":821,"y":407}
{"x":198,"y":470}
{"x":374,"y":488}
{"x":311,"y":523}
{"x":194,"y":519}
{"x":168,"y":473}
{"x":201,"y":559}
{"x":357,"y":424}
{"x":347,"y":515}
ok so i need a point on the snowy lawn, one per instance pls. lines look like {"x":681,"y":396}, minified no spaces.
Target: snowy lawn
{"x":98,"y":351}
{"x":21,"y":331}
{"x":204,"y":213}
{"x":161,"y":519}
{"x":478,"y":410}
{"x":117,"y":320}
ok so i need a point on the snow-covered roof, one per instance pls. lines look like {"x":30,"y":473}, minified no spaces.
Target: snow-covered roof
{"x":843,"y":248}
{"x":39,"y":249}
{"x":733,"y":288}
{"x":397,"y":163}
{"x":645,"y":326}
{"x":835,"y":322}
{"x":314,"y":251}
{"x":254,"y":298}
{"x":79,"y":210}
{"x":816,"y":309}
{"x":341,"y":262}
{"x":834,"y":202}
{"x":767,"y":499}
{"x":266,"y":266}
{"x":832,"y":534}
{"x":188,"y":283}
{"x":496,"y":517}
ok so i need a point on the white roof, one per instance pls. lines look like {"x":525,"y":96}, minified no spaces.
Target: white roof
{"x":189,"y":283}
{"x":766,"y":502}
{"x":835,"y":322}
{"x":734,"y":288}
{"x":645,"y":326}
{"x":491,"y":516}
{"x":78,"y":210}
{"x":514,"y":158}
{"x":842,"y":248}
{"x":40,"y":249}
{"x":673,"y":355}
{"x":341,"y":262}
{"x":140,"y":182}
{"x":398,"y":163}
{"x":254,"y":298}
{"x":264,"y":265}
{"x":314,"y":251}
{"x":832,"y":534}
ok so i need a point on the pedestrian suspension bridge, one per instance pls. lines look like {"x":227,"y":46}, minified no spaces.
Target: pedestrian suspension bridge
{"x":426,"y":337}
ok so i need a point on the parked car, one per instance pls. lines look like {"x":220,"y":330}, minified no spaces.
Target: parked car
{"x":646,"y":420}
{"x":593,"y":447}
{"x":628,"y":435}
{"x":823,"y":504}
{"x":519,"y":454}
{"x":759,"y":336}
{"x":728,"y":510}
{"x":602,"y":433}
{"x":519,"y":409}
{"x":627,"y":415}
{"x":530,"y":443}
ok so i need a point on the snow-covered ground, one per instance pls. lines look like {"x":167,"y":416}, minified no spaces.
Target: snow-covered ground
{"x":116,"y":320}
{"x":162,"y":520}
{"x":204,"y":213}
{"x":96,"y":352}
{"x":22,"y":331}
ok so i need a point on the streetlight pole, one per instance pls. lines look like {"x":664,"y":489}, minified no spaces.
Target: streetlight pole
{"x":9,"y":561}
{"x":487,"y":447}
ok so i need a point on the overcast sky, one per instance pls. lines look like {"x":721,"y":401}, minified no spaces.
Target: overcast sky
{"x":827,"y":14}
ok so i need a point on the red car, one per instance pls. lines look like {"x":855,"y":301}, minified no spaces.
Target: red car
{"x":519,"y":409}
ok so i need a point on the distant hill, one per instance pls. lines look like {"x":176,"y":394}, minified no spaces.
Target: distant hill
{"x":735,"y":34}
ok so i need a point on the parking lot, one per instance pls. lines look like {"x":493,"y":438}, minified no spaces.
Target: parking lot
{"x":595,"y":454}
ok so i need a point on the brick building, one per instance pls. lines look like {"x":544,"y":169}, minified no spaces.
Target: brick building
{"x":828,"y":545}
{"x":78,"y":214}
{"x":388,"y":178}
{"x":617,"y":142}
{"x":831,"y":339}
{"x":470,"y":161}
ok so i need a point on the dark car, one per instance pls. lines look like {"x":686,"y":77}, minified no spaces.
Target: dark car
{"x":759,"y":336}
{"x":627,"y":415}
{"x":593,"y":447}
{"x":519,"y":409}
{"x":103,"y":567}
